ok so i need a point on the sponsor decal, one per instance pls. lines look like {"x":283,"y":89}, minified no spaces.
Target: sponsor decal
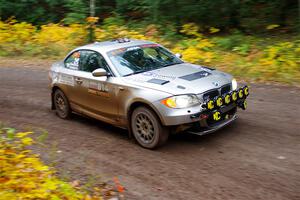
{"x":158,"y":76}
{"x":76,"y":54}
{"x":149,"y":45}
{"x":121,"y":50}
{"x":146,"y":76}
{"x":66,"y":79}
{"x":216,"y":116}
{"x":74,"y":64}
{"x":132,"y":48}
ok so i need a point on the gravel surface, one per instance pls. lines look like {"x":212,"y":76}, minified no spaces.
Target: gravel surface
{"x":257,"y":157}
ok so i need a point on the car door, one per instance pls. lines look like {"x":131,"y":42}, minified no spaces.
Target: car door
{"x":95,"y":96}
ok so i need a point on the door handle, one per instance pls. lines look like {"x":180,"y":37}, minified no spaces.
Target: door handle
{"x":121,"y":88}
{"x":78,"y":80}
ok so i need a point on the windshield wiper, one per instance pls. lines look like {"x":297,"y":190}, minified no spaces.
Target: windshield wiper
{"x":167,"y":65}
{"x":136,"y":72}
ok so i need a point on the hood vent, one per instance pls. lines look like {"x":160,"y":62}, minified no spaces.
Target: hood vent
{"x":195,"y":76}
{"x":158,"y":81}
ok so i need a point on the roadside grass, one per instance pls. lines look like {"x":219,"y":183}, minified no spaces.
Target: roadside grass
{"x":266,"y":58}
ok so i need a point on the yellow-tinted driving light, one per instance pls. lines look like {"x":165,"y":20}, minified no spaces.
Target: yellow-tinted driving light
{"x":246,"y":91}
{"x":210,"y":105}
{"x":241,"y":93}
{"x":219,"y":101}
{"x":227,"y":99}
{"x":234,"y":96}
{"x":243,"y":104}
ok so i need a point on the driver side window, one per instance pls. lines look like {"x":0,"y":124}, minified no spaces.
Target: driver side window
{"x":91,"y":60}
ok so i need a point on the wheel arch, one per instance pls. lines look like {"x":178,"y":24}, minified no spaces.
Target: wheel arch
{"x":137,"y":104}
{"x":54,"y":88}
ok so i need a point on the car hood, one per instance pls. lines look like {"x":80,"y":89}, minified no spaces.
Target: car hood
{"x":182,"y":78}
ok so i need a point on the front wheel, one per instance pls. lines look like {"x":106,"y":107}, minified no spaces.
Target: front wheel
{"x":147,"y":129}
{"x":62,"y":106}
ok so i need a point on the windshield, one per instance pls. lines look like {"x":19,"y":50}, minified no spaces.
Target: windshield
{"x":137,"y":59}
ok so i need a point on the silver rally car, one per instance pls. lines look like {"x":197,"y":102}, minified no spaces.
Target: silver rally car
{"x":142,"y":86}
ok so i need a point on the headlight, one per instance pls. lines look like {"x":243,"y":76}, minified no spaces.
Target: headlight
{"x":181,"y":101}
{"x":234,"y":84}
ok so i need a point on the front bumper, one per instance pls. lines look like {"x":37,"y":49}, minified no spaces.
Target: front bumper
{"x":205,"y":119}
{"x":207,"y":124}
{"x":198,"y":130}
{"x":175,"y":117}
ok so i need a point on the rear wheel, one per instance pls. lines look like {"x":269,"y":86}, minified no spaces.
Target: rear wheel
{"x":62,"y":106}
{"x":147,"y":129}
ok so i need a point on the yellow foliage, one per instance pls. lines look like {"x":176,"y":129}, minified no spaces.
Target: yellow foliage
{"x":60,"y":36}
{"x":114,"y":31}
{"x":272,"y":26}
{"x":279,"y":61}
{"x":19,"y":37}
{"x":27,"y":141}
{"x":191,"y":29}
{"x":213,"y":30}
{"x":22,"y":134}
{"x":282,"y":57}
{"x":92,"y":20}
{"x":196,"y":50}
{"x":24,"y":176}
{"x":11,"y":31}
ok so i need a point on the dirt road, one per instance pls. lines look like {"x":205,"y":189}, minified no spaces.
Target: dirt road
{"x":257,"y":157}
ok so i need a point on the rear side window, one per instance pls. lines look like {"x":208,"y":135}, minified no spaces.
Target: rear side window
{"x":72,"y":62}
{"x":86,"y":60}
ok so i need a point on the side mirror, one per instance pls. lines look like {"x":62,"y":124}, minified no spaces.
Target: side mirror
{"x":99,"y":72}
{"x":178,"y":55}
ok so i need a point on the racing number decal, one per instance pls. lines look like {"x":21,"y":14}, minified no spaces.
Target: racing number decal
{"x":99,"y":89}
{"x":217,"y":116}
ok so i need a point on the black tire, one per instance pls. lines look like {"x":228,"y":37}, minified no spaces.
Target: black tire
{"x":147,"y":128}
{"x":61,"y":104}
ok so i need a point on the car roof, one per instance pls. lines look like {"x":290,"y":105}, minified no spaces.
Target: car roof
{"x":107,"y":46}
